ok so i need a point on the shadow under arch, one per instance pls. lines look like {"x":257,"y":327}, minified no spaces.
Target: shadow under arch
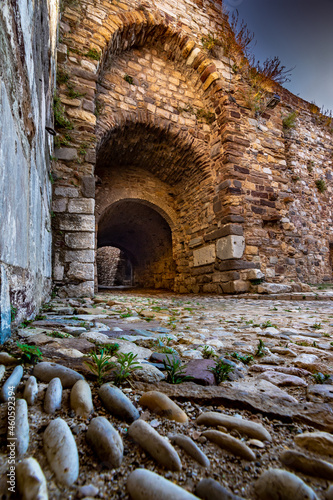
{"x":140,"y":230}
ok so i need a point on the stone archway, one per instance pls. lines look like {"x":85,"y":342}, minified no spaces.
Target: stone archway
{"x":145,"y":237}
{"x":114,"y":67}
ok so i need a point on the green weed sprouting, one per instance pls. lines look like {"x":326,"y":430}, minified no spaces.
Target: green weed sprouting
{"x":208,"y":352}
{"x":261,"y":349}
{"x":99,"y":364}
{"x":221,"y":371}
{"x":246,"y":359}
{"x":128,"y":365}
{"x":320,"y":378}
{"x":29,"y":353}
{"x":289,"y":121}
{"x":129,"y":79}
{"x":321,"y":185}
{"x":93,"y":54}
{"x":175,"y":371}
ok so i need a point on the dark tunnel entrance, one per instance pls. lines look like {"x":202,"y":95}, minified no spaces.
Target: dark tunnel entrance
{"x":143,"y":239}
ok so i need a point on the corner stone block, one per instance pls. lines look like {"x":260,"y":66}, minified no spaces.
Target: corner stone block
{"x":80,"y":256}
{"x":80,"y":241}
{"x":76,"y":222}
{"x":81,"y":206}
{"x":255,"y":274}
{"x":230,"y":247}
{"x":81,"y":272}
{"x":204,"y":255}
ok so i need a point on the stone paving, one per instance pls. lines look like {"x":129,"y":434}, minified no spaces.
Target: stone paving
{"x":251,"y":419}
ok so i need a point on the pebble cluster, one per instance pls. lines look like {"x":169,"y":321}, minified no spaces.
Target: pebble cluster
{"x":263,"y":433}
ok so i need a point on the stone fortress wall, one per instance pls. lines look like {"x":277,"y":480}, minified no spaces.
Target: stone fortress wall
{"x":27,"y":75}
{"x":159,"y":121}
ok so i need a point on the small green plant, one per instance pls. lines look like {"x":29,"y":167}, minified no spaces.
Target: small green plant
{"x":59,"y":115}
{"x":268,"y":324}
{"x":209,"y":42}
{"x":129,"y":79}
{"x":289,"y":121}
{"x":74,"y":94}
{"x":316,"y":326}
{"x":221,"y":371}
{"x":321,"y":185}
{"x":29,"y":353}
{"x":128,"y":365}
{"x":25,"y":323}
{"x":126,"y":315}
{"x":261,"y":349}
{"x":208,"y":352}
{"x":93,"y":54}
{"x":111,"y":349}
{"x":99,"y":364}
{"x":13,"y":312}
{"x":57,"y":335}
{"x":244,"y":359}
{"x":207,"y":116}
{"x":175,"y":371}
{"x":320,"y":378}
{"x":62,"y":76}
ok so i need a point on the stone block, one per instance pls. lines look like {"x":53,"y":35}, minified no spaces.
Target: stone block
{"x":80,"y":256}
{"x":81,"y":272}
{"x":204,"y":255}
{"x":220,"y":277}
{"x":65,"y":154}
{"x":274,"y":288}
{"x":61,"y":53}
{"x":195,"y":242}
{"x":59,"y":205}
{"x":80,"y":240}
{"x":58,"y":272}
{"x":230,"y":247}
{"x":66,"y":192}
{"x":81,"y":206}
{"x":226,"y":230}
{"x":255,"y":274}
{"x":270,"y":272}
{"x":76,"y":222}
{"x":238,"y":286}
{"x":85,"y":289}
{"x":88,"y":186}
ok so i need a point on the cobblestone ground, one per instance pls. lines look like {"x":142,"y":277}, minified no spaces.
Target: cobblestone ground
{"x":275,"y":363}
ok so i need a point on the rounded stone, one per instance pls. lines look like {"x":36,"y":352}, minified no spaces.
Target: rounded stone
{"x":307,"y":465}
{"x":251,"y":429}
{"x":275,"y":484}
{"x":143,"y":484}
{"x":191,"y":448}
{"x":31,"y":390}
{"x":209,"y":489}
{"x":319,"y":442}
{"x":21,"y":427}
{"x":231,"y":444}
{"x":162,"y":405}
{"x":31,"y":481}
{"x":11,"y":383}
{"x":117,"y":403}
{"x":155,"y":444}
{"x":81,"y":399}
{"x":8,"y":360}
{"x":61,"y":451}
{"x":46,"y":371}
{"x":106,"y":442}
{"x":52,"y":401}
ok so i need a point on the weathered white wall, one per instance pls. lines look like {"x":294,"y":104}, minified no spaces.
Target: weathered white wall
{"x":28,"y":32}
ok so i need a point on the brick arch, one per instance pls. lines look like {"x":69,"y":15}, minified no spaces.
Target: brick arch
{"x":192,"y":155}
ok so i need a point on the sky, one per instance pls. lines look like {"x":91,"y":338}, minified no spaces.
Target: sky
{"x":300,"y":32}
